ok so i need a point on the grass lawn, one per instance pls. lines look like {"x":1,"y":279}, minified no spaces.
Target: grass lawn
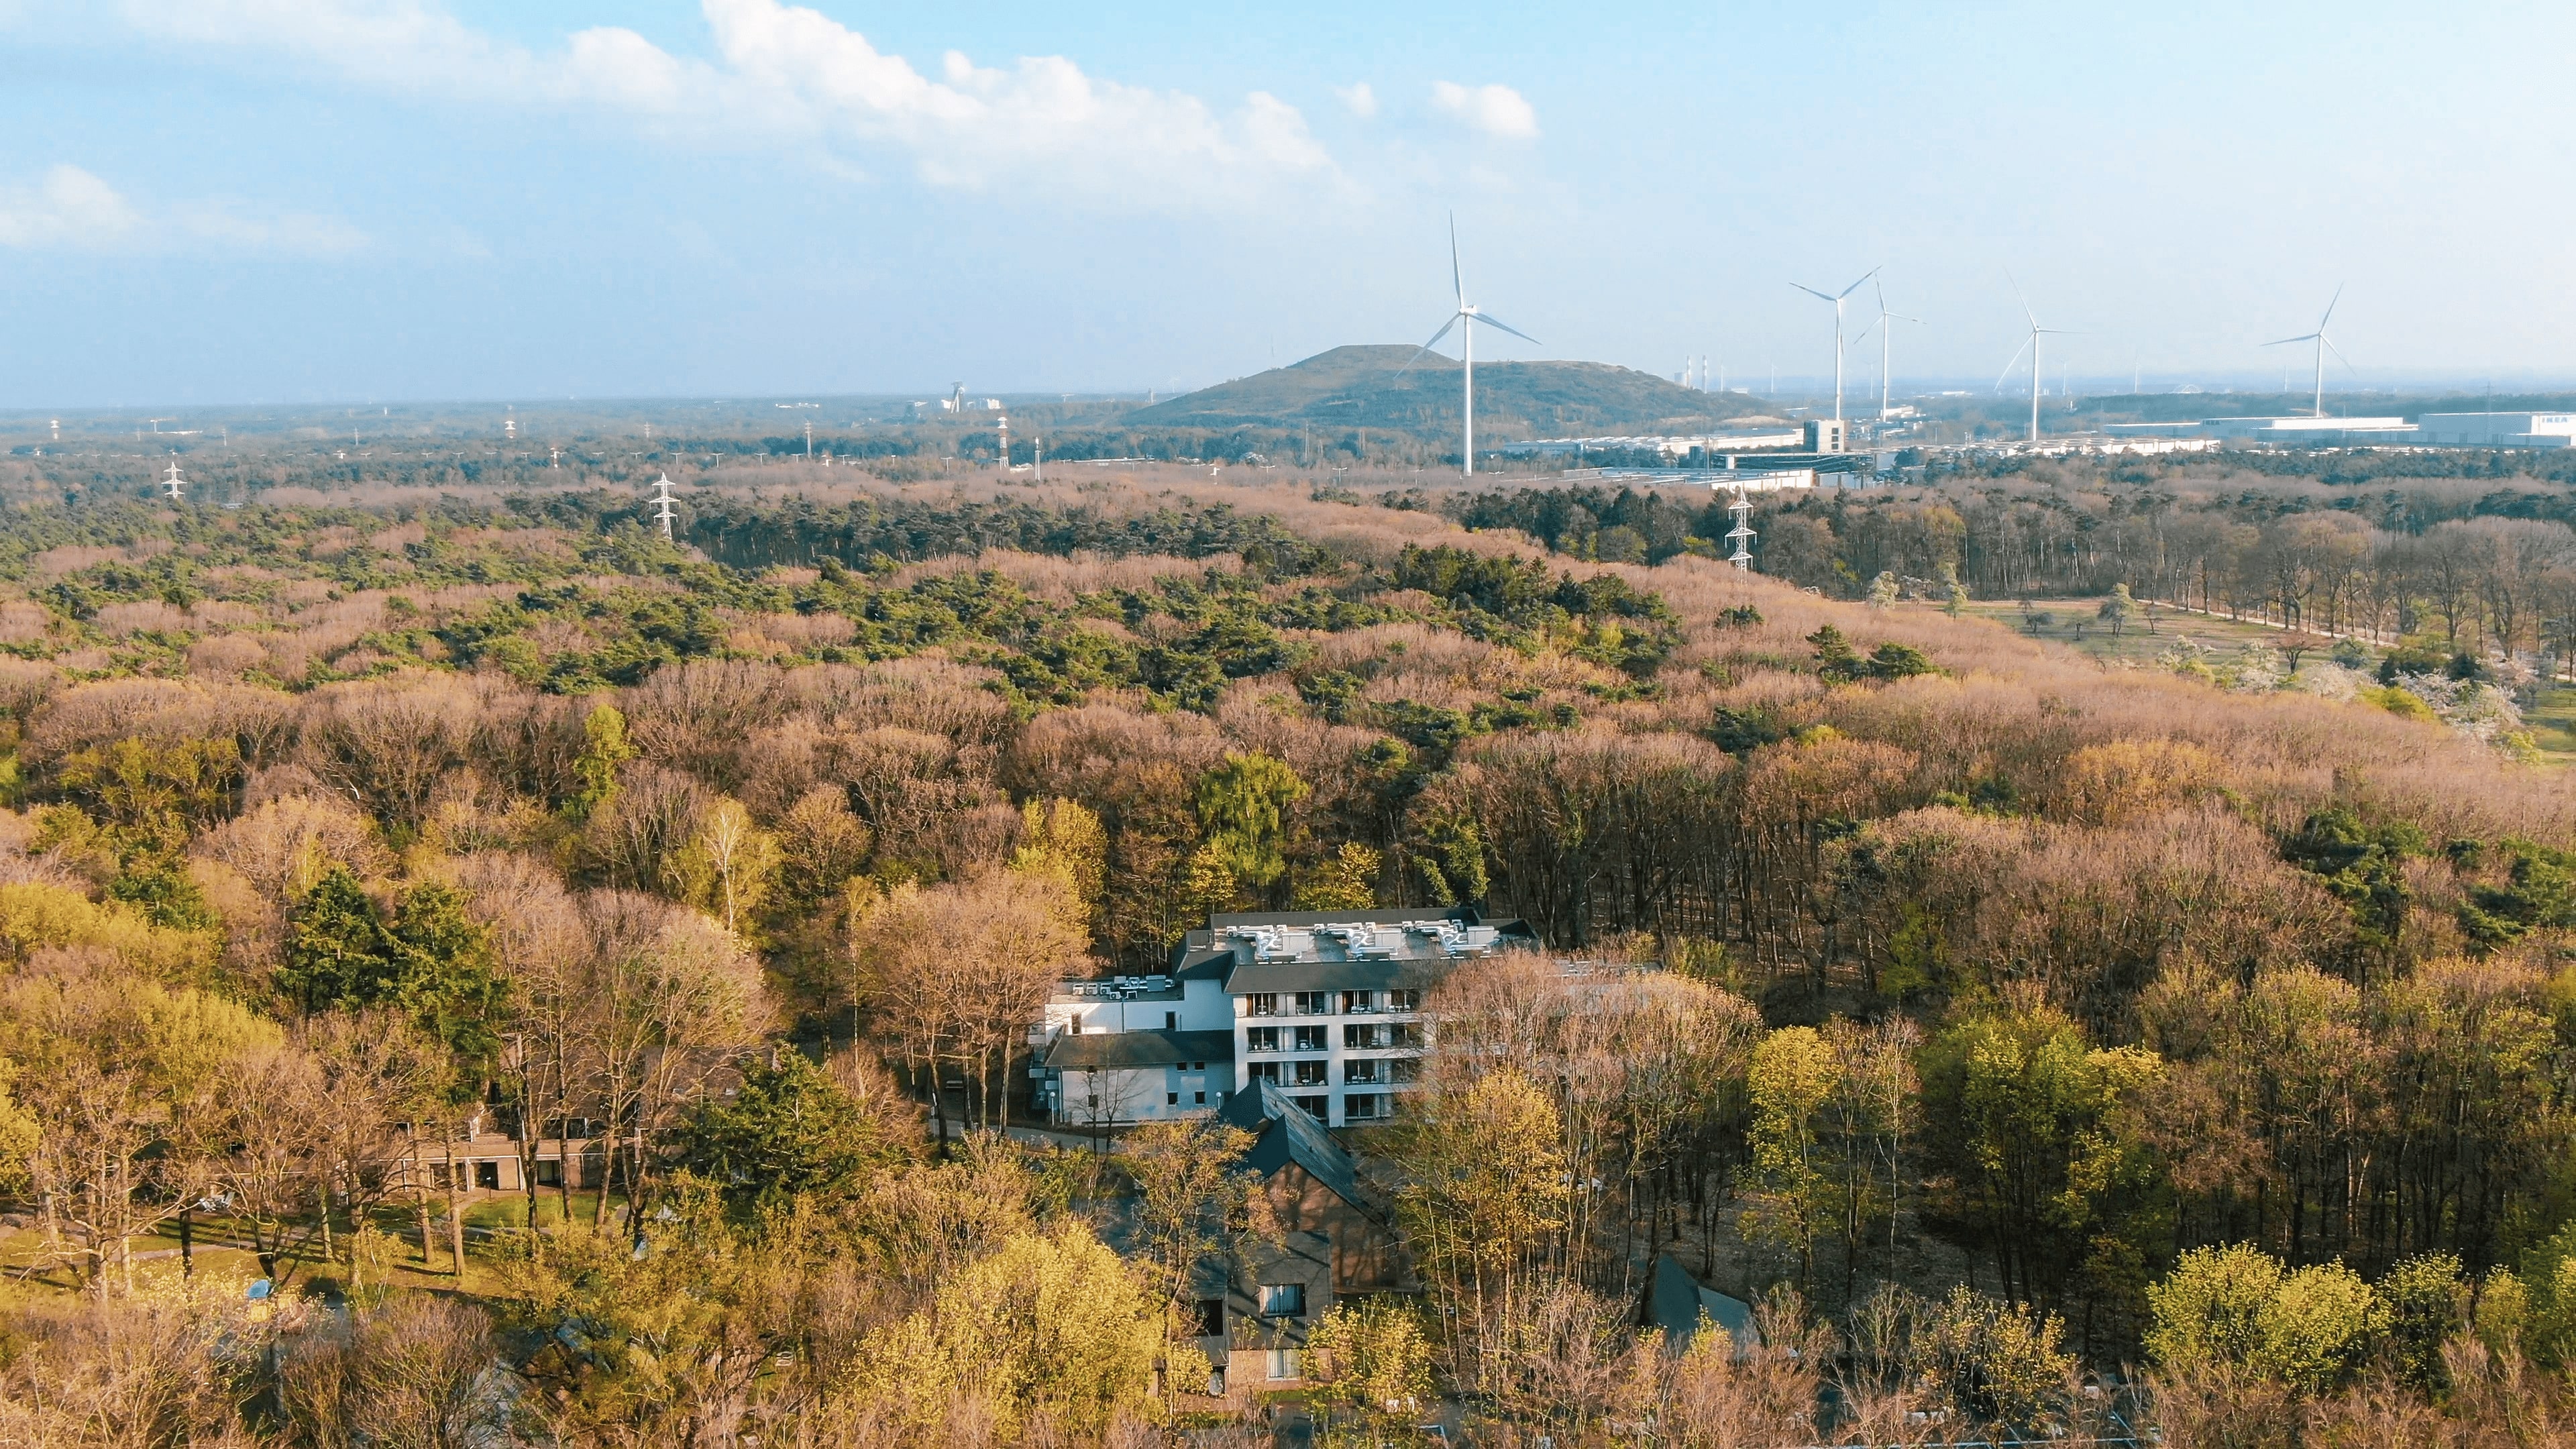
{"x":2073,"y":622}
{"x":157,"y":1256}
{"x":2552,"y":721}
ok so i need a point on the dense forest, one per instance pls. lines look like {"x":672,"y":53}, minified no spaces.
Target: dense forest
{"x":2046,"y":1049}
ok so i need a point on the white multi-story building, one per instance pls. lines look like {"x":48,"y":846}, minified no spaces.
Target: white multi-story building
{"x":1324,"y":1004}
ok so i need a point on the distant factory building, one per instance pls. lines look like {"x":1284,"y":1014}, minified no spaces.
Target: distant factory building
{"x":1669,"y":446}
{"x":2299,"y":429}
{"x":2432,"y":430}
{"x":2497,"y":430}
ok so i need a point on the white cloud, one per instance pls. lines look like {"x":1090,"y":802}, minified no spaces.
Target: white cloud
{"x":1358,"y":99}
{"x":71,"y":209}
{"x":784,"y":72}
{"x":285,"y":233}
{"x":1496,"y":110}
{"x":1042,"y":118}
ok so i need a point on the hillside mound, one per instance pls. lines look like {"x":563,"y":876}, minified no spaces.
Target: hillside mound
{"x":1370,"y":387}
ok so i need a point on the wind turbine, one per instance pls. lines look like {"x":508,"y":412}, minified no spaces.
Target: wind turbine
{"x":1469,"y":314}
{"x":2323,"y":342}
{"x":2031,"y":345}
{"x":1880,"y":322}
{"x":1837,"y":299}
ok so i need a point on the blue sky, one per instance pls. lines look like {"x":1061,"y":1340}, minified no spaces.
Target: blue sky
{"x":321,"y":200}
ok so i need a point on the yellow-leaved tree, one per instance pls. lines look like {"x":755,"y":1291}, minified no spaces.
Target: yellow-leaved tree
{"x":1050,"y":1335}
{"x":1488,"y":1186}
{"x":1790,"y":1179}
{"x":1063,"y":841}
{"x":727,"y":867}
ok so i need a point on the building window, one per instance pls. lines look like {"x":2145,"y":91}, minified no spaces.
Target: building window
{"x":1261,"y":1039}
{"x":1311,"y":1074}
{"x":1264,"y":1072}
{"x":1312,"y":1039}
{"x":1314,"y":1003}
{"x":1364,"y":1070}
{"x":1283,"y":1300}
{"x":1364,"y":1106}
{"x":487,"y":1175}
{"x":1171,"y":1099}
{"x":1171,"y":1021}
{"x":1283,"y":1363}
{"x":549,"y":1172}
{"x":1198,"y":1099}
{"x":1211,"y":1318}
{"x":1318,"y":1107}
{"x":1261,"y":1003}
{"x":1403,"y":1071}
{"x":1404,"y":1001}
{"x":1357,"y":1003}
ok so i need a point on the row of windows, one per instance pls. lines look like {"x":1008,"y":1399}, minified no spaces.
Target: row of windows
{"x":1331,"y":1003}
{"x":1376,"y":1071}
{"x":1356,"y":1106}
{"x":1372,"y":1036}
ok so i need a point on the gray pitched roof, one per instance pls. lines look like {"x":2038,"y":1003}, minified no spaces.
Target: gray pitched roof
{"x":1675,"y":1301}
{"x":1284,"y":1132}
{"x":1139,"y":1049}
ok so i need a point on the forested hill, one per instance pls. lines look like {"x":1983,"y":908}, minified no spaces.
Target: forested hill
{"x":1370,"y":387}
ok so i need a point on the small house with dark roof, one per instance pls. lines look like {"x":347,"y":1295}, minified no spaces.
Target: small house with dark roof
{"x":1676,"y":1302}
{"x":1324,"y":1005}
{"x":1335,"y":1239}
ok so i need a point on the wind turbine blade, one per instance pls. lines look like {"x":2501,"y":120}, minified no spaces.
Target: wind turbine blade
{"x":1456,"y":275}
{"x":1812,"y":292}
{"x":2016,"y":361}
{"x":1506,"y":326}
{"x":1427,"y":346}
{"x":1854,"y":287}
{"x":2026,"y":313}
{"x":2330,"y":306}
{"x":2339,"y":357}
{"x":1901,"y":317}
{"x":2286,"y":341}
{"x":1863,"y":334}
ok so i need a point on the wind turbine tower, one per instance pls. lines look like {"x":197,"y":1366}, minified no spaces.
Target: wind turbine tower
{"x":1465,"y":319}
{"x":1881,"y":323}
{"x":662,"y":501}
{"x":2030,"y":345}
{"x":2323,"y":343}
{"x":1837,"y":299}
